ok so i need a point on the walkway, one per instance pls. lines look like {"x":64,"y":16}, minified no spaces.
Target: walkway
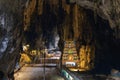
{"x":37,"y":73}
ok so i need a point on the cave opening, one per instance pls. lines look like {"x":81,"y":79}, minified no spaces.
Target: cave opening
{"x":92,"y":30}
{"x":105,"y":48}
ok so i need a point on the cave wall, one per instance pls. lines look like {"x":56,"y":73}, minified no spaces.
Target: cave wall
{"x":106,"y":31}
{"x":107,"y":9}
{"x":106,"y":44}
{"x":68,"y":20}
{"x":11,"y":31}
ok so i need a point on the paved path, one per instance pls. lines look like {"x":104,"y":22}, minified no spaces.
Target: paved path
{"x":37,"y":73}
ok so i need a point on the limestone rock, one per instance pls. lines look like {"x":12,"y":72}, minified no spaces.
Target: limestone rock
{"x":115,"y":75}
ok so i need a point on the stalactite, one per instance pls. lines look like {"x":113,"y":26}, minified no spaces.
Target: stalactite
{"x":28,"y":13}
{"x":71,"y":25}
{"x":66,"y":7}
{"x":75,"y":23}
{"x":40,"y":7}
{"x":87,"y":55}
{"x":115,"y":12}
{"x":95,"y":11}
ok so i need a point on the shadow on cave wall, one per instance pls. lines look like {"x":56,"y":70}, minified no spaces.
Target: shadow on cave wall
{"x":107,"y":46}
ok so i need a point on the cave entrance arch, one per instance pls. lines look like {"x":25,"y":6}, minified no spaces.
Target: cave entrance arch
{"x":72,"y":22}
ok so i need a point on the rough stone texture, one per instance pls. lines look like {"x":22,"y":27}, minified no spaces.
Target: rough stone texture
{"x":107,"y":9}
{"x":9,"y":45}
{"x":94,"y":23}
{"x":58,"y":16}
{"x":10,"y":36}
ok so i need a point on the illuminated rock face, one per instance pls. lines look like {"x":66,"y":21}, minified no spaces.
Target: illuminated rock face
{"x":69,"y":20}
{"x":87,"y":55}
{"x":107,"y":9}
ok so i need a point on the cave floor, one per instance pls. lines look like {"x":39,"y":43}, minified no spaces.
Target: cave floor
{"x":37,"y":73}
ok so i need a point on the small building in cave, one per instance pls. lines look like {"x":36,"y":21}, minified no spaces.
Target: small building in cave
{"x":83,"y":61}
{"x":70,"y":57}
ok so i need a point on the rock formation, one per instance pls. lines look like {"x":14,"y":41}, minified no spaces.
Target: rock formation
{"x":11,"y":32}
{"x":88,"y":22}
{"x":107,"y":9}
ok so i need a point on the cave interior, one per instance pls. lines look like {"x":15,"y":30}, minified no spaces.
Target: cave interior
{"x":42,"y":23}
